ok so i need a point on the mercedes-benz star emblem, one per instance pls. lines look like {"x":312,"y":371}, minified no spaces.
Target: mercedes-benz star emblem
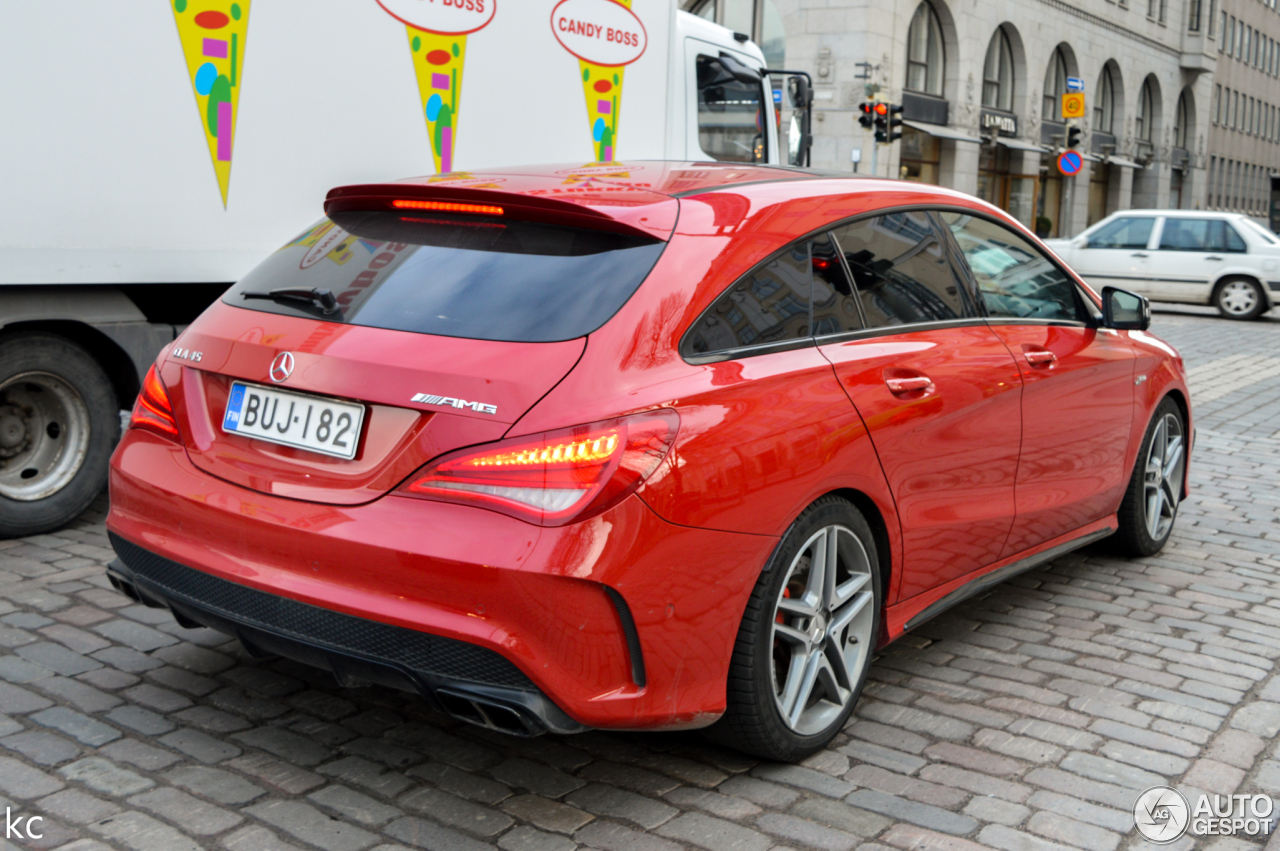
{"x":282,"y":367}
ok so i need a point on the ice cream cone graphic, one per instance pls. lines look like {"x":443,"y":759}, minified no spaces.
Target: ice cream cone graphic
{"x":213,"y":35}
{"x":438,"y":42}
{"x":605,"y":36}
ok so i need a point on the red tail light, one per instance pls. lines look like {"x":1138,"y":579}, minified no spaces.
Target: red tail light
{"x":557,"y":477}
{"x":448,"y":207}
{"x":152,"y":411}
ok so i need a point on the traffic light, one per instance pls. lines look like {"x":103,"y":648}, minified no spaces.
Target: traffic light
{"x":887,"y":123}
{"x":1073,"y":137}
{"x":867,"y":118}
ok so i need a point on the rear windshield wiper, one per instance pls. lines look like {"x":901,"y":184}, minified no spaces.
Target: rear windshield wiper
{"x":323,"y":299}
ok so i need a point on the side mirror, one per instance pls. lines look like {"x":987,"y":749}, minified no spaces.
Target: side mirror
{"x":1125,"y":311}
{"x":801,"y":92}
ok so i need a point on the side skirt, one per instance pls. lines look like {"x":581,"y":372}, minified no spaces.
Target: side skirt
{"x":979,"y":584}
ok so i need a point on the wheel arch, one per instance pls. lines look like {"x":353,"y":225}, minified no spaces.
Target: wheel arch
{"x":880,"y":532}
{"x":1184,"y":407}
{"x":1252,"y":278}
{"x":115,"y":362}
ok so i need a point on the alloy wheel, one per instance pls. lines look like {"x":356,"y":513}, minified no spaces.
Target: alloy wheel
{"x":1163,"y":476}
{"x":822,"y":629}
{"x":1238,"y":298}
{"x":44,"y":435}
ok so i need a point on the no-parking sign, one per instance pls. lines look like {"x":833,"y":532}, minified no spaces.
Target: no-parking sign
{"x":1070,"y":163}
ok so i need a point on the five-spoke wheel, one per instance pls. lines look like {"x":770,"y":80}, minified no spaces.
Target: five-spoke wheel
{"x":806,"y":638}
{"x":1150,"y":503}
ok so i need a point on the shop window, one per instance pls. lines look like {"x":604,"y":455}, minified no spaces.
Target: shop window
{"x":921,"y":156}
{"x":924,"y":51}
{"x":997,"y":73}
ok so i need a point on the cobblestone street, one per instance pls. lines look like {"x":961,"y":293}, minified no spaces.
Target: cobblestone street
{"x":1028,"y":719}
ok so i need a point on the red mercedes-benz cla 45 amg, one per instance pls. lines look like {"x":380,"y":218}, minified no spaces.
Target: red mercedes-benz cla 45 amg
{"x":676,"y":446}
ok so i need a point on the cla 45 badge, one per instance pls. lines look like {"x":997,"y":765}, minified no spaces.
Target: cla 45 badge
{"x":478,"y":407}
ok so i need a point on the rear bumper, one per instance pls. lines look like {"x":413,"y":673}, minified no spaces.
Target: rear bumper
{"x":623,"y":621}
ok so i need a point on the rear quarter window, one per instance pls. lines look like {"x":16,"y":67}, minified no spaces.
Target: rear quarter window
{"x":473,"y":277}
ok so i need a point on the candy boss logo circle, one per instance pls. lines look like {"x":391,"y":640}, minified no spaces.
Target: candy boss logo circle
{"x":601,"y":32}
{"x":448,"y":17}
{"x":1161,"y":814}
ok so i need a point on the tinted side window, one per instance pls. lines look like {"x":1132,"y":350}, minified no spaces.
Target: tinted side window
{"x":1223,"y":237}
{"x":834,"y":308}
{"x":1127,"y":232}
{"x":1014,"y":279}
{"x":901,"y":271}
{"x":768,"y":305}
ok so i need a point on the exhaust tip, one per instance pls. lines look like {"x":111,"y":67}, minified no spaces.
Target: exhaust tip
{"x":489,"y":714}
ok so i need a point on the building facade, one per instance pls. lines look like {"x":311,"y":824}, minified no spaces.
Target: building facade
{"x":1244,"y":120}
{"x":982,"y":86}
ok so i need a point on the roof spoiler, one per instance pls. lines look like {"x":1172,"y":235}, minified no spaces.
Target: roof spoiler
{"x":633,"y":220}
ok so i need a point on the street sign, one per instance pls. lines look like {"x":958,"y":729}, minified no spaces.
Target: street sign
{"x":1075,"y":84}
{"x":1070,"y":163}
{"x":1073,"y":105}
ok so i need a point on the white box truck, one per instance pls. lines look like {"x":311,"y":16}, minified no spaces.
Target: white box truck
{"x":153,"y":152}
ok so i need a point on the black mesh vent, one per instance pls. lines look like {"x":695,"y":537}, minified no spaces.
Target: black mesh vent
{"x":418,"y":651}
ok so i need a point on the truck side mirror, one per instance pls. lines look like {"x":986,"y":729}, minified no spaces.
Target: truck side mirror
{"x":800,"y":91}
{"x":1125,"y":311}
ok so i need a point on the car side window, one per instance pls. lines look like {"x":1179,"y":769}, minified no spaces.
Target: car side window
{"x":901,"y":270}
{"x":1015,"y":279}
{"x":1185,"y":235}
{"x":834,"y":308}
{"x":1223,"y":237}
{"x":1131,"y":232}
{"x":770,"y":304}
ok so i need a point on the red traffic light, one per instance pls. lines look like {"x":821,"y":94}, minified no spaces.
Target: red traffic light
{"x":882,"y":108}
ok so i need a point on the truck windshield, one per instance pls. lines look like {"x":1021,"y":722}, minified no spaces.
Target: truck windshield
{"x":472,"y":277}
{"x":731,"y":114}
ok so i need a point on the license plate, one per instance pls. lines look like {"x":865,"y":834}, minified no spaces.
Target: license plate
{"x":306,"y":422}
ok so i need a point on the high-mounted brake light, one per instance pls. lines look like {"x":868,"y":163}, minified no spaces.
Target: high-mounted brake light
{"x":557,"y":477}
{"x":153,"y":410}
{"x":447,"y":207}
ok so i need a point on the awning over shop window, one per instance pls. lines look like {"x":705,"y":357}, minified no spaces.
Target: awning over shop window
{"x":1020,"y":144}
{"x":1124,"y":162}
{"x":942,"y":132}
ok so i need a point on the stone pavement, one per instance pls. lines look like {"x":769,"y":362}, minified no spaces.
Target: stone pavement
{"x":1027,"y":720}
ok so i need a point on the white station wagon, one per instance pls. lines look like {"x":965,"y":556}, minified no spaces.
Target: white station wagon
{"x":1223,"y":259}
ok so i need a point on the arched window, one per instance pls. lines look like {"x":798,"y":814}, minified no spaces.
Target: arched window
{"x":997,"y":73}
{"x":1146,"y":113}
{"x":924,"y":51}
{"x":1104,"y":110}
{"x":1055,"y":86}
{"x":1181,"y":122}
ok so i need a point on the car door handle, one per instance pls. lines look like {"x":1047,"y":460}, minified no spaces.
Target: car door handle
{"x":899,"y":386}
{"x":1040,"y":357}
{"x":1140,"y":254}
{"x":1213,"y":257}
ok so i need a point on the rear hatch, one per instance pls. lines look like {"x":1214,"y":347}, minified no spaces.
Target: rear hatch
{"x":428,"y":328}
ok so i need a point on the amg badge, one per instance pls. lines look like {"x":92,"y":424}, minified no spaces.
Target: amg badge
{"x":478,"y":407}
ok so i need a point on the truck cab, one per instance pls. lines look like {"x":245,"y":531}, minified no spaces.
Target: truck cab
{"x":131,"y":214}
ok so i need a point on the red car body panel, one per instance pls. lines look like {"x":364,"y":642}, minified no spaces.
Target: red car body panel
{"x":953,"y":481}
{"x":1076,"y":425}
{"x":336,"y":360}
{"x":533,"y":594}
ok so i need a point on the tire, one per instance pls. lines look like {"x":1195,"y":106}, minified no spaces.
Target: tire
{"x":1153,"y":491}
{"x":1240,"y":298}
{"x":59,"y":422}
{"x":768,"y":661}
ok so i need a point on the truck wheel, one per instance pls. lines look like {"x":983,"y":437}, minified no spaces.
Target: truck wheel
{"x":59,"y":422}
{"x":1240,"y":298}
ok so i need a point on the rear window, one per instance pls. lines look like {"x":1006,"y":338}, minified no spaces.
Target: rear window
{"x":472,"y":277}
